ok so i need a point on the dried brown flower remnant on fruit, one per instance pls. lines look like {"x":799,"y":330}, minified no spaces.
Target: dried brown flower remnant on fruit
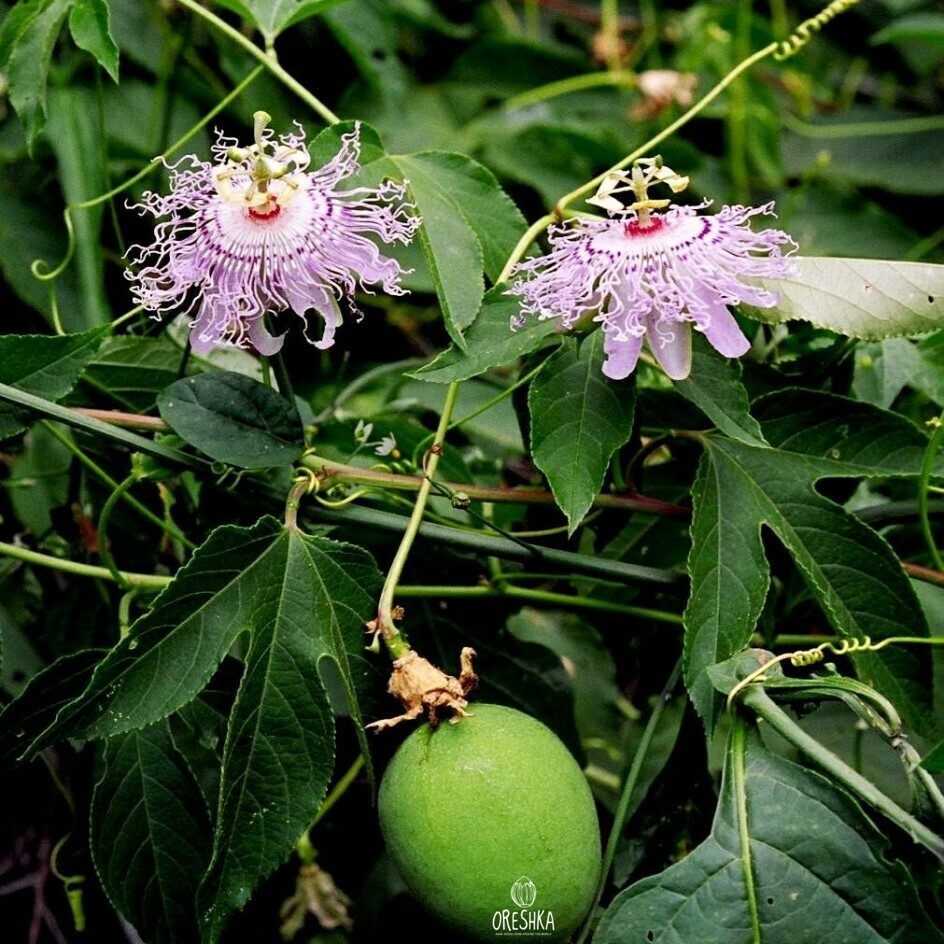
{"x":422,"y":687}
{"x":315,"y":893}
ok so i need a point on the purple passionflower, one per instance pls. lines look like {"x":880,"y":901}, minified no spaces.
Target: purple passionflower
{"x":254,"y":232}
{"x":654,"y":276}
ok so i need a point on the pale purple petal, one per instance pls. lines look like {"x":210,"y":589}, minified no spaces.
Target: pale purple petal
{"x":724,"y":334}
{"x":657,"y":277}
{"x":671,"y":345}
{"x":235,"y":251}
{"x":621,"y":354}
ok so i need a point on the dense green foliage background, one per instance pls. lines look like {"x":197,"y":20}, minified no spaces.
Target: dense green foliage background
{"x":165,"y":753}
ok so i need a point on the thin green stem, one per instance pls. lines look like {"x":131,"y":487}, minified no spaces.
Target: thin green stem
{"x":507,"y":392}
{"x":921,"y":248}
{"x":568,"y":561}
{"x":650,"y":32}
{"x":763,"y":705}
{"x":576,"y":83}
{"x":88,"y":424}
{"x":531,"y":234}
{"x":339,"y":789}
{"x":778,"y":17}
{"x":103,"y":519}
{"x":864,"y":129}
{"x":547,"y":597}
{"x":166,"y":526}
{"x":629,"y":788}
{"x":39,"y":267}
{"x":385,"y":623}
{"x":667,"y":132}
{"x":266,"y":58}
{"x":736,"y":756}
{"x":610,"y":32}
{"x":927,"y":468}
{"x":153,"y":582}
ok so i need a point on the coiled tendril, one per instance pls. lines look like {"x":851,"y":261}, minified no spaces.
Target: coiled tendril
{"x":804,"y":32}
{"x":808,"y":657}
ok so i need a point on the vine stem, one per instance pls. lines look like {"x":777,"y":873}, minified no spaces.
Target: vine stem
{"x":395,"y":643}
{"x":535,"y":229}
{"x":331,"y":473}
{"x":629,"y":787}
{"x":927,"y":468}
{"x":530,"y":595}
{"x":764,"y":706}
{"x":667,"y":132}
{"x":168,"y":527}
{"x":736,"y":753}
{"x":153,"y":582}
{"x":267,"y":58}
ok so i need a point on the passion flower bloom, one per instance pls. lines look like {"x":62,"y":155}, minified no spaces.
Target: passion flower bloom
{"x":654,"y":276}
{"x":255,"y":232}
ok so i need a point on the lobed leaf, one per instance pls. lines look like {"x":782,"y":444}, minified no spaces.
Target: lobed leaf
{"x":150,"y":833}
{"x":279,"y":751}
{"x":850,"y":569}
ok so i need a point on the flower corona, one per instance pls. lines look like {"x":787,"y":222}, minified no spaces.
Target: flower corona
{"x":649,"y":275}
{"x":256,"y":232}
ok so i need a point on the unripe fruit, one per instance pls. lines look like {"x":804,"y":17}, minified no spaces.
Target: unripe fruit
{"x":493,"y":827}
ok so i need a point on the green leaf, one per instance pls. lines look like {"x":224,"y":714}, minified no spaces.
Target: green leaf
{"x":301,"y":599}
{"x":715,"y":387}
{"x":469,"y":226}
{"x":133,"y":370}
{"x":36,"y":707}
{"x":89,"y":23}
{"x":933,"y":762}
{"x":150,"y":833}
{"x":274,"y":16}
{"x":827,"y":426}
{"x":925,"y":26}
{"x":279,"y":751}
{"x":590,"y":665}
{"x":489,"y":342}
{"x":579,"y":418}
{"x":42,"y":365}
{"x":31,"y":229}
{"x":75,"y":135}
{"x":862,"y":298}
{"x":812,"y":857}
{"x":28,"y":43}
{"x":234,"y":419}
{"x":850,"y":570}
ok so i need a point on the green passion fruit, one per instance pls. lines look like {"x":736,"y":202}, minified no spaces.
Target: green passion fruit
{"x":493,"y":827}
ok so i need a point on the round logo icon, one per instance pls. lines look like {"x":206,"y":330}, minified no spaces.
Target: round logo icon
{"x":524,"y":892}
